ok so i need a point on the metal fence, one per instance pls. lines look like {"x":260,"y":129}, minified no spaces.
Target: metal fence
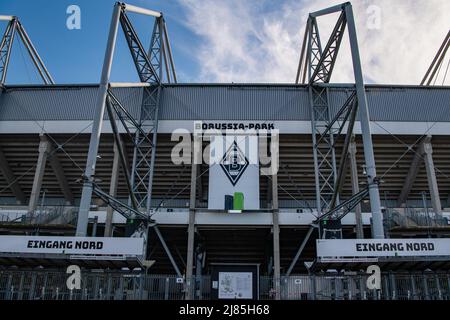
{"x":51,"y":285}
{"x":394,"y":286}
{"x":37,"y":285}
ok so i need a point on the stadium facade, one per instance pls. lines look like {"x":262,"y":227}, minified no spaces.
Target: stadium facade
{"x":275,"y":235}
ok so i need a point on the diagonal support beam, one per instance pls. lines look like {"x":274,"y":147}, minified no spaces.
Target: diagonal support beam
{"x":300,"y":250}
{"x":303,"y":63}
{"x":44,"y":147}
{"x":11,"y":179}
{"x":47,"y":152}
{"x":355,"y":187}
{"x":167,"y":250}
{"x":324,"y":68}
{"x":437,"y":61}
{"x":372,"y":180}
{"x":341,"y":210}
{"x":412,"y":173}
{"x":431,"y":177}
{"x":169,"y":53}
{"x":6,"y":43}
{"x":86,"y":195}
{"x":340,"y":118}
{"x":38,"y":63}
{"x":144,"y":67}
{"x":5,"y":48}
{"x":112,"y":192}
{"x":122,"y":208}
{"x":119,"y":145}
{"x":60,"y":176}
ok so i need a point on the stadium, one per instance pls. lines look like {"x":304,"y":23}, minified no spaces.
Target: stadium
{"x":88,"y":178}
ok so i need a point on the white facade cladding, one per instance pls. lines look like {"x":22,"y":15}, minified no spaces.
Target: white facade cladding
{"x":383,"y":247}
{"x":233,"y":168}
{"x":72,"y":245}
{"x":168,"y":126}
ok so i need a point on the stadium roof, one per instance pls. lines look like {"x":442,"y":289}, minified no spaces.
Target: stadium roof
{"x":224,"y":102}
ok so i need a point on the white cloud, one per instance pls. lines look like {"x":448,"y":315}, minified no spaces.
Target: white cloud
{"x":259,"y":41}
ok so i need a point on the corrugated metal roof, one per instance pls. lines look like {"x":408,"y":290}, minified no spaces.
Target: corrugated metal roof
{"x":401,"y":104}
{"x":234,"y":103}
{"x":224,"y":102}
{"x":60,"y":103}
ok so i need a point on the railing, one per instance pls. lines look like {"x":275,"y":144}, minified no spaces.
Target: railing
{"x":12,"y":216}
{"x":46,"y":215}
{"x":51,"y":285}
{"x":413,"y":218}
{"x":426,"y":218}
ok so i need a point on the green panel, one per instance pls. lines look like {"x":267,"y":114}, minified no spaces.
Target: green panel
{"x":238,"y":201}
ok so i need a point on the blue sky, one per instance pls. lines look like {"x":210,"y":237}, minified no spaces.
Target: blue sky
{"x":75,"y":56}
{"x":230,"y":40}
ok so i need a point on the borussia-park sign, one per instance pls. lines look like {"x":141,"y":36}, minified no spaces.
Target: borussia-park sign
{"x":382,"y":247}
{"x":72,"y":245}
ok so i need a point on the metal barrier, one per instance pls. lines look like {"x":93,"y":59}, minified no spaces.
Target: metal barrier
{"x":51,"y":285}
{"x":41,"y":285}
{"x":413,"y":218}
{"x":55,"y":215}
{"x":394,"y":286}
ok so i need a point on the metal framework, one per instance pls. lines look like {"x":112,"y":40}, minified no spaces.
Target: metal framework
{"x":434,"y":68}
{"x":142,"y":131}
{"x":15,"y":26}
{"x":315,"y":69}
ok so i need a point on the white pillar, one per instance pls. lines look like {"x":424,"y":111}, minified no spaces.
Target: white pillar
{"x":196,"y":158}
{"x":44,"y":147}
{"x":431,"y":177}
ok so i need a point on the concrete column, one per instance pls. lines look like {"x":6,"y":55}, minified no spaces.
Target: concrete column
{"x":423,"y":149}
{"x":431,"y":176}
{"x":411,"y":177}
{"x":269,"y":193}
{"x":276,"y":238}
{"x":112,"y":191}
{"x":355,"y":187}
{"x":262,"y":147}
{"x":276,"y":242}
{"x":60,"y":176}
{"x":44,"y":147}
{"x":196,"y":158}
{"x":11,"y":179}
